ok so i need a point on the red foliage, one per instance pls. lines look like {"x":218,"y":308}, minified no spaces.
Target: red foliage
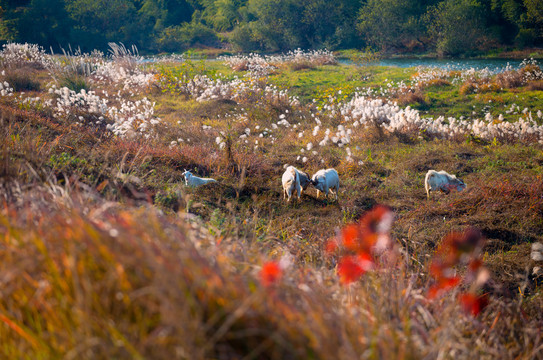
{"x":363,"y":241}
{"x":443,"y":284}
{"x":352,"y":267}
{"x":473,"y":304}
{"x":370,"y":233}
{"x":349,"y":269}
{"x":270,"y":273}
{"x":331,"y":246}
{"x":455,"y":249}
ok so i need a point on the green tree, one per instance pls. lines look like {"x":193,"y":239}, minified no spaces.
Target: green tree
{"x":185,"y":36}
{"x":503,"y":18}
{"x":223,"y":15}
{"x":280,"y":23}
{"x":532,"y":20}
{"x":156,"y":15}
{"x":45,"y":22}
{"x":456,"y":25}
{"x":288,"y":24}
{"x":391,"y":24}
{"x":10,"y":13}
{"x":98,"y":22}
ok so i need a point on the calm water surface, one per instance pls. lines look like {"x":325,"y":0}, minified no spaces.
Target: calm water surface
{"x":495,"y":65}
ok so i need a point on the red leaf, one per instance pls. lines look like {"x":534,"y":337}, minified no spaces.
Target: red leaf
{"x":349,"y":269}
{"x":433,"y":292}
{"x":349,"y":236}
{"x":331,"y":246}
{"x":475,"y":264}
{"x":443,"y":284}
{"x":473,"y":304}
{"x":449,"y":283}
{"x":270,"y":273}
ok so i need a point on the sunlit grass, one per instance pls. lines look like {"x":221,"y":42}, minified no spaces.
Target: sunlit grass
{"x":105,"y":253}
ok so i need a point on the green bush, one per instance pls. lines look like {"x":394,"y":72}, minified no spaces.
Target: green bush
{"x":243,"y":38}
{"x":179,"y":38}
{"x":456,"y":25}
{"x":525,"y":37}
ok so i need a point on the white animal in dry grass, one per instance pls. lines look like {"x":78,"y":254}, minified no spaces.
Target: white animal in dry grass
{"x":326,"y":180}
{"x":537,"y":258}
{"x":291,"y":183}
{"x":195,"y":181}
{"x":305,"y":180}
{"x":443,"y":181}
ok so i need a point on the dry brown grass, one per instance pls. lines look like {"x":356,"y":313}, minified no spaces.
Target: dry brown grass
{"x":23,"y":79}
{"x":410,"y":97}
{"x":434,"y":83}
{"x":301,"y":65}
{"x":468,"y":87}
{"x":535,"y":85}
{"x":141,"y":284}
{"x":98,"y":265}
{"x":509,"y":80}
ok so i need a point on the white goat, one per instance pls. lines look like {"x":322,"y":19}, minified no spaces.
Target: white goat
{"x":443,"y":181}
{"x":305,"y":180}
{"x":195,"y":181}
{"x":325,"y":180}
{"x":291,"y":182}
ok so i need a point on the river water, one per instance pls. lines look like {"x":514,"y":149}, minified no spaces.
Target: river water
{"x":494,"y":65}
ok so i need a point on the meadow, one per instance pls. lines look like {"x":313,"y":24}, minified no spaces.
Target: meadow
{"x":105,"y":253}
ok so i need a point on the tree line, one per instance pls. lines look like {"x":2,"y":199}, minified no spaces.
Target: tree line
{"x":449,"y":27}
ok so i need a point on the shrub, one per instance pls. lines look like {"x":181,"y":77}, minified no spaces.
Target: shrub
{"x":243,"y":38}
{"x":468,"y":88}
{"x":15,"y":55}
{"x":176,"y":38}
{"x":488,"y":87}
{"x":435,"y":83}
{"x":535,"y":85}
{"x":509,"y":79}
{"x":73,"y":82}
{"x":531,"y":71}
{"x":411,"y":97}
{"x":22,"y":79}
{"x":301,"y":65}
{"x":526,"y":37}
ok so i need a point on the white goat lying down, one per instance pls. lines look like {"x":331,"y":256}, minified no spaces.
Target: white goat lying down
{"x":195,"y":181}
{"x":443,"y":181}
{"x":325,"y":180}
{"x":291,"y":183}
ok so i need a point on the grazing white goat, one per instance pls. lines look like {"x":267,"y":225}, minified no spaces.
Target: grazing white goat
{"x":325,"y":180}
{"x":195,"y":181}
{"x":443,"y":181}
{"x":291,"y":182}
{"x":305,"y":180}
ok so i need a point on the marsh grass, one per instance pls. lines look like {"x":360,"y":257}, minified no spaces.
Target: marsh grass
{"x":178,"y":291}
{"x":106,"y":254}
{"x":73,"y":82}
{"x":23,"y":79}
